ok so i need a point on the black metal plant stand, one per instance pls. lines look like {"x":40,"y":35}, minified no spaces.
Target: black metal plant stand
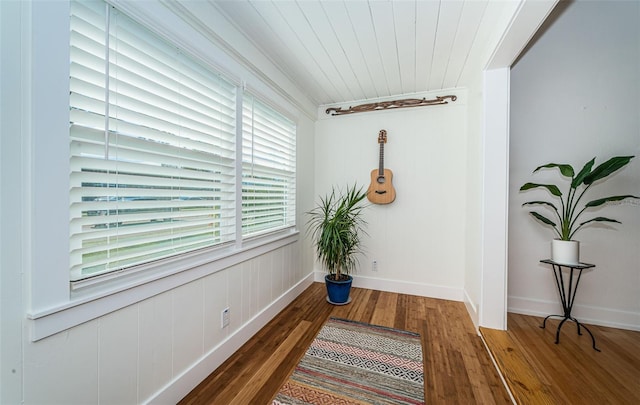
{"x":568,"y":295}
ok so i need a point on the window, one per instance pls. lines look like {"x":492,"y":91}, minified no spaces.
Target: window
{"x":153,"y":150}
{"x":268,"y":168}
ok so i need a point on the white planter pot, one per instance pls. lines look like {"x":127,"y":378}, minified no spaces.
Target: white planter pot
{"x":565,"y":251}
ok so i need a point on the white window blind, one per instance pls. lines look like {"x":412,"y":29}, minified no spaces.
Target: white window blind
{"x":268,"y":168}
{"x":152,"y":147}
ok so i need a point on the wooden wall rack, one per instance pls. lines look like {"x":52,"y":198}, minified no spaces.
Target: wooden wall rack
{"x":389,"y":105}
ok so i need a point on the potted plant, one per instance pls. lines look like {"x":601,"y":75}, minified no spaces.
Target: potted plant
{"x":565,"y":222}
{"x":336,"y":225}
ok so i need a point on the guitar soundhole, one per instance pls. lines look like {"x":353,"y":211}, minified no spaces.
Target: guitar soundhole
{"x":380,"y":179}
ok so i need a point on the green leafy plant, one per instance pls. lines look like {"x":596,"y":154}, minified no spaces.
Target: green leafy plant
{"x":336,"y":225}
{"x":569,"y":211}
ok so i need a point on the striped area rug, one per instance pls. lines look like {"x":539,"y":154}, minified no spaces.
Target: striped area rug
{"x":356,"y":363}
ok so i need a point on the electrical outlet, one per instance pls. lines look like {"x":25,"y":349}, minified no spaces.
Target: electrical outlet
{"x":374,"y":265}
{"x":224,"y":317}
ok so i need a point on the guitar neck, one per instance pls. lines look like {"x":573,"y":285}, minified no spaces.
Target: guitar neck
{"x":381,"y":164}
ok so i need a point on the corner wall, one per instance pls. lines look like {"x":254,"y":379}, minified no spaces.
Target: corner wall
{"x":418,"y":241}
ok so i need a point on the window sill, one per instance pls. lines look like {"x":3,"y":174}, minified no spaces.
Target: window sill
{"x":102,"y":298}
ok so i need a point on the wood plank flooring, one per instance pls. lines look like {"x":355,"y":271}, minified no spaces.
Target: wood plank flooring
{"x":539,"y":371}
{"x":458,"y":369}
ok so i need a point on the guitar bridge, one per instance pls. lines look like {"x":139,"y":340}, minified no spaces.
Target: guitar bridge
{"x":381,"y":191}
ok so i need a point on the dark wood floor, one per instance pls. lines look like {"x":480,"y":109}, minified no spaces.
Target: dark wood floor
{"x":458,"y":369}
{"x":539,"y":371}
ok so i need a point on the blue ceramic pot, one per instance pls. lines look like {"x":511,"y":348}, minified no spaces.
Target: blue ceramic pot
{"x":338,"y":291}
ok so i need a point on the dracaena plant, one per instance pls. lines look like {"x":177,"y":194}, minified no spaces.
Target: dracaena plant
{"x":566,"y":219}
{"x":336,"y":225}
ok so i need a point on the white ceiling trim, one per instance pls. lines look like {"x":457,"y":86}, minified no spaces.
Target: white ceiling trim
{"x":528,"y":18}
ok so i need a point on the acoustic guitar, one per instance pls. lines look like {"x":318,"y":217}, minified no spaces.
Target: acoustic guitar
{"x":381,"y":189}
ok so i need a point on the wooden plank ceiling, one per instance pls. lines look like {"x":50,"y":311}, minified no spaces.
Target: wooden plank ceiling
{"x":345,"y":50}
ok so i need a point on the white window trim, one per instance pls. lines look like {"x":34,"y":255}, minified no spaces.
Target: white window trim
{"x":51,"y":307}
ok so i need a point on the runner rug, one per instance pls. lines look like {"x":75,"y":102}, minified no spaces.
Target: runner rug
{"x":356,"y":363}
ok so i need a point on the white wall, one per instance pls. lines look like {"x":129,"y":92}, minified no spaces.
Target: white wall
{"x":576,"y":95}
{"x":163,"y":346}
{"x":418,"y":240}
{"x":473,"y":233}
{"x":157,"y":348}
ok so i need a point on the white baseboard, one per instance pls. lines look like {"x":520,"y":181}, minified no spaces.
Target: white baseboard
{"x":403,"y":287}
{"x":182,"y":384}
{"x":474,"y":314}
{"x":613,"y":318}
